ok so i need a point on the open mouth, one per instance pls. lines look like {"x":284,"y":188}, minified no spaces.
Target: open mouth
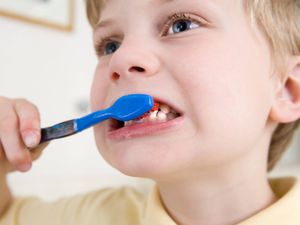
{"x":160,"y":113}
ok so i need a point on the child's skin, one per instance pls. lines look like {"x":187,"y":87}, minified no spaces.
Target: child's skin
{"x":210,"y":168}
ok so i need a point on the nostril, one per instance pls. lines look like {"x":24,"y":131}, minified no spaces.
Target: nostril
{"x":115,"y":76}
{"x":136,"y":68}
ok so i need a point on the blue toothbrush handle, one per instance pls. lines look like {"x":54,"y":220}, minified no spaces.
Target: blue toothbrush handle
{"x":125,"y":108}
{"x":92,"y":119}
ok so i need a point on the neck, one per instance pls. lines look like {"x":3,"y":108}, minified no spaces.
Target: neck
{"x":216,"y":199}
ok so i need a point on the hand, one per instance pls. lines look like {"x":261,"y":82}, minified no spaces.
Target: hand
{"x":19,"y":135}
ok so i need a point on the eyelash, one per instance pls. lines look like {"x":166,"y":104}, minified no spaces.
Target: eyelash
{"x":101,"y":43}
{"x":180,"y":16}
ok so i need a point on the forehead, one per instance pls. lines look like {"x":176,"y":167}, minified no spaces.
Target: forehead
{"x":158,"y":2}
{"x":152,"y":1}
{"x":117,"y":4}
{"x":147,"y":2}
{"x":124,"y":8}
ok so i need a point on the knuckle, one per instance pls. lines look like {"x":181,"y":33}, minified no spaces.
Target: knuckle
{"x":34,"y":109}
{"x":28,"y":114}
{"x":8,"y":122}
{"x":6,"y":108}
{"x":22,"y":102}
{"x":27,"y":109}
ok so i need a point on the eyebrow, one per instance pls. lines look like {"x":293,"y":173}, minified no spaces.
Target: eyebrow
{"x":104,"y":23}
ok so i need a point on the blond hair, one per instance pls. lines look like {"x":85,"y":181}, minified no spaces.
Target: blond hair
{"x":280,"y":20}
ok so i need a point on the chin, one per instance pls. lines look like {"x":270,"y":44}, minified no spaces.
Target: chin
{"x":138,"y":160}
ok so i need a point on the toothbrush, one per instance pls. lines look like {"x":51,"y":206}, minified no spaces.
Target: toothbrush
{"x":125,"y":108}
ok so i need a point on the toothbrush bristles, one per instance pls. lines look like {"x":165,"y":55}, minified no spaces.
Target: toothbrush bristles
{"x":154,"y":108}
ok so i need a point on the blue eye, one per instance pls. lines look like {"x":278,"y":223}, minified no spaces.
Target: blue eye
{"x":106,"y":46}
{"x":111,"y":47}
{"x":182,"y":26}
{"x":182,"y":22}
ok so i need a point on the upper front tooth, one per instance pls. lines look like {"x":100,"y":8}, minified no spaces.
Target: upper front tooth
{"x":153,"y":115}
{"x":164,"y":108}
{"x":161,"y":116}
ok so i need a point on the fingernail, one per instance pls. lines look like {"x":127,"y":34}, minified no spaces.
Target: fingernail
{"x":31,"y":139}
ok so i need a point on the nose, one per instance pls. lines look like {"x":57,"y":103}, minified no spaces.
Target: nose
{"x":132,"y":60}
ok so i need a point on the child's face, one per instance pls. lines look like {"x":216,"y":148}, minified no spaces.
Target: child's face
{"x":204,"y":57}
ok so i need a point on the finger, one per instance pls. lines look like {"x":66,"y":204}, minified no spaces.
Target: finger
{"x":29,"y":122}
{"x":14,"y":149}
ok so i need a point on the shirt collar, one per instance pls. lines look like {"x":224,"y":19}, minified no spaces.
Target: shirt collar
{"x":155,"y":212}
{"x":284,"y":210}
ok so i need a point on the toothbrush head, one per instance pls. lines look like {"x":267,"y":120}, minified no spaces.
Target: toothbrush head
{"x":130,"y":107}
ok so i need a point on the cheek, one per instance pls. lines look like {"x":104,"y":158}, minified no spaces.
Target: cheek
{"x":102,"y":91}
{"x":98,"y":95}
{"x":99,"y":89}
{"x":227,"y":86}
{"x":226,"y":72}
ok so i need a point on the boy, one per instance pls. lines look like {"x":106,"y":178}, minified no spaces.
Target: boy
{"x":228,"y":70}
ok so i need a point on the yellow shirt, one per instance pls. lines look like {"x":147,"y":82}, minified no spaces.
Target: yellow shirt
{"x":125,"y":206}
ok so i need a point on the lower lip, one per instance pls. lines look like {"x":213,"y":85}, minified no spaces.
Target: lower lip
{"x":144,"y":129}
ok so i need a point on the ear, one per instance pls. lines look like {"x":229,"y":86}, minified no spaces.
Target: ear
{"x":286,"y":107}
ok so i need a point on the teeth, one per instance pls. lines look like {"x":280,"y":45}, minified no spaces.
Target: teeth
{"x":164,"y":108}
{"x":153,"y":115}
{"x":161,"y":116}
{"x":128,"y":123}
{"x":173,"y":111}
{"x":171,"y":116}
{"x":164,"y":114}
